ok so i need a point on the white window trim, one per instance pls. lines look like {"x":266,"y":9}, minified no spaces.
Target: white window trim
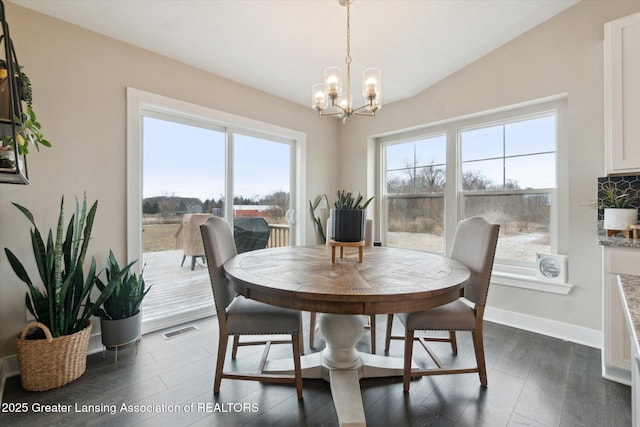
{"x":140,"y":102}
{"x":512,"y":274}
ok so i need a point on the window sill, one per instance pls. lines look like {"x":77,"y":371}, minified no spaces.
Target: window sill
{"x":529,"y":282}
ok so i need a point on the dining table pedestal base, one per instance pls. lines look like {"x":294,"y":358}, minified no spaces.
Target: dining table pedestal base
{"x":342,"y":365}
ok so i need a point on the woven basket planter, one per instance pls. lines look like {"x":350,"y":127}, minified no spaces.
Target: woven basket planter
{"x":51,"y":362}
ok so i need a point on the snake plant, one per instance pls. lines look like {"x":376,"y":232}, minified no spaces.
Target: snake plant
{"x":63,"y":303}
{"x":345,"y":200}
{"x":126,"y":298}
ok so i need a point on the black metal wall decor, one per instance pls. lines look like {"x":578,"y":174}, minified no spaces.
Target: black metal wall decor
{"x":13,"y":165}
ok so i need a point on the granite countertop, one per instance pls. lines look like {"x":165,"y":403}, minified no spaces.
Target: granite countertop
{"x":619,"y":241}
{"x":630,"y":286}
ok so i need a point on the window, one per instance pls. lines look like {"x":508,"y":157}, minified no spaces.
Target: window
{"x":501,"y":165}
{"x":184,"y":158}
{"x":415,"y":180}
{"x":508,"y":176}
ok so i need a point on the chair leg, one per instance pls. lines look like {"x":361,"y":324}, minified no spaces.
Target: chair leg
{"x":478,"y":346}
{"x":454,"y":342}
{"x":234,"y":349}
{"x":301,"y":338}
{"x":222,"y":351}
{"x":183,"y":258}
{"x":295,"y":343}
{"x":387,"y":340}
{"x":312,"y":329}
{"x":408,"y":354}
{"x":193,"y":263}
{"x":372,"y":326}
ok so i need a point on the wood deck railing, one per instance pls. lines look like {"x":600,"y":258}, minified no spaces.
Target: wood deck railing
{"x":279,"y":235}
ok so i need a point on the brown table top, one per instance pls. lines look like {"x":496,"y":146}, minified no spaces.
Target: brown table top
{"x":390,"y":280}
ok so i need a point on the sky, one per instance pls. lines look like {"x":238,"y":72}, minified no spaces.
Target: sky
{"x":528,"y":148}
{"x":187,"y":161}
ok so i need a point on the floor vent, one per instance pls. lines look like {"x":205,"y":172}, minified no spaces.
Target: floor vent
{"x":178,"y":332}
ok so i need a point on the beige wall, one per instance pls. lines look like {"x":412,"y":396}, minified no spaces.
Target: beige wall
{"x":563,"y":55}
{"x":79,"y":80}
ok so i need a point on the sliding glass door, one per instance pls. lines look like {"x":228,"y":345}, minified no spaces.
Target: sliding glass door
{"x":189,"y":170}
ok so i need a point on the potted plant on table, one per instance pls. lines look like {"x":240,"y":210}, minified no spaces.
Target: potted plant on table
{"x":348,"y":217}
{"x":52,"y":351}
{"x":120,"y":313}
{"x":618,"y":205}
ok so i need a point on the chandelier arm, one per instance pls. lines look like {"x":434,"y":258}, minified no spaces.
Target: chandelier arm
{"x":368,"y":105}
{"x":335,"y":113}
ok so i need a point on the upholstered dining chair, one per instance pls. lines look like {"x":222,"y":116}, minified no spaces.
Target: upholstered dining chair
{"x":241,"y":316}
{"x":474,"y":246}
{"x":313,"y":325}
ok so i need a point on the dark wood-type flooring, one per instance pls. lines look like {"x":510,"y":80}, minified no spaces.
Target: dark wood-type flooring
{"x":534,"y":380}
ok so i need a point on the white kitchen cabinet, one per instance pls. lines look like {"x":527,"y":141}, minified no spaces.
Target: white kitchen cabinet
{"x":616,"y":352}
{"x":622,"y":94}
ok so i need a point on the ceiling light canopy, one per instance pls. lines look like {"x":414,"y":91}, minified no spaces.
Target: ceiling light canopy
{"x":328,"y":98}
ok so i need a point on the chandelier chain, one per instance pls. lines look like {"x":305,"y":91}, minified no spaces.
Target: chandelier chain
{"x":348,"y":58}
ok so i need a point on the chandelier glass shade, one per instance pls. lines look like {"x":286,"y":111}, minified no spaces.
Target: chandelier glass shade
{"x":329,"y":99}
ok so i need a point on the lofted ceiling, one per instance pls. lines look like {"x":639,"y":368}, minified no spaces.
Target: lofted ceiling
{"x":283,"y":46}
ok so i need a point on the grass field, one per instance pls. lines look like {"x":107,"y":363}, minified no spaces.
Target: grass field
{"x":159,"y":237}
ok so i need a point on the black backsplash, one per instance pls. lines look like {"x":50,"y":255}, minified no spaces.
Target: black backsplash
{"x":622,"y":182}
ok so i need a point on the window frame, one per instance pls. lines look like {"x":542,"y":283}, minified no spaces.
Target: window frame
{"x":552,"y":191}
{"x":141,"y":103}
{"x":518,"y":273}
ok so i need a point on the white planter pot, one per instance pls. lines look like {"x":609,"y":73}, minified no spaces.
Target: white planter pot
{"x":619,"y":219}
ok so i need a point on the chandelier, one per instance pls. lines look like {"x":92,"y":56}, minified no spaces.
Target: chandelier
{"x":328,"y":98}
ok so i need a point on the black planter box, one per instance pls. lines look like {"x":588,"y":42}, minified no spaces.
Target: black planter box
{"x":347,"y":225}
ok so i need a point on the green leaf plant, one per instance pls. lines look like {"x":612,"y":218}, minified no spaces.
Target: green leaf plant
{"x":614,"y":198}
{"x":28,"y":129}
{"x":127,"y":296}
{"x":346,"y":200}
{"x":316,"y":219}
{"x":27,"y":133}
{"x":63,"y":302}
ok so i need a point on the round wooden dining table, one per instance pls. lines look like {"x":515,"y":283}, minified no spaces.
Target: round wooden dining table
{"x":388,"y":280}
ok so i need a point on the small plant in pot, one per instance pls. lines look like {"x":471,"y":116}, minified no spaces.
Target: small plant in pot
{"x":120,"y":314}
{"x":348,"y":217}
{"x":52,"y":350}
{"x":28,"y":129}
{"x":618,"y":205}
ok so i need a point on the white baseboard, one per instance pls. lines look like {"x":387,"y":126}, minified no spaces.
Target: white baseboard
{"x":564,"y":331}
